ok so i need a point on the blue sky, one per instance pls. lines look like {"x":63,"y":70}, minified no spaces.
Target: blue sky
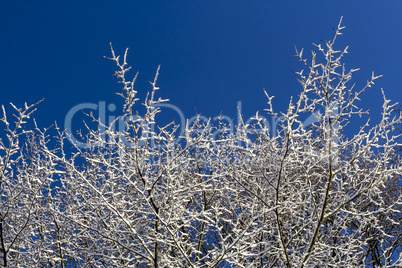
{"x":212,"y":53}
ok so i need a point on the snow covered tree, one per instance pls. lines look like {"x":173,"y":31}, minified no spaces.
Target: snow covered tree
{"x":26,"y":176}
{"x":309,"y":196}
{"x":328,"y":189}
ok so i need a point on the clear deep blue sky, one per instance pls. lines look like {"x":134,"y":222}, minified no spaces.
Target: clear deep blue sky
{"x":212,"y":53}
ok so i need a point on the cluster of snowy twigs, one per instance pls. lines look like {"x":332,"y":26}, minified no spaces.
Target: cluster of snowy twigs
{"x":307,"y":197}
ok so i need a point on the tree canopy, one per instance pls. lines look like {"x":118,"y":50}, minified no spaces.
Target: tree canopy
{"x":213,"y":196}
